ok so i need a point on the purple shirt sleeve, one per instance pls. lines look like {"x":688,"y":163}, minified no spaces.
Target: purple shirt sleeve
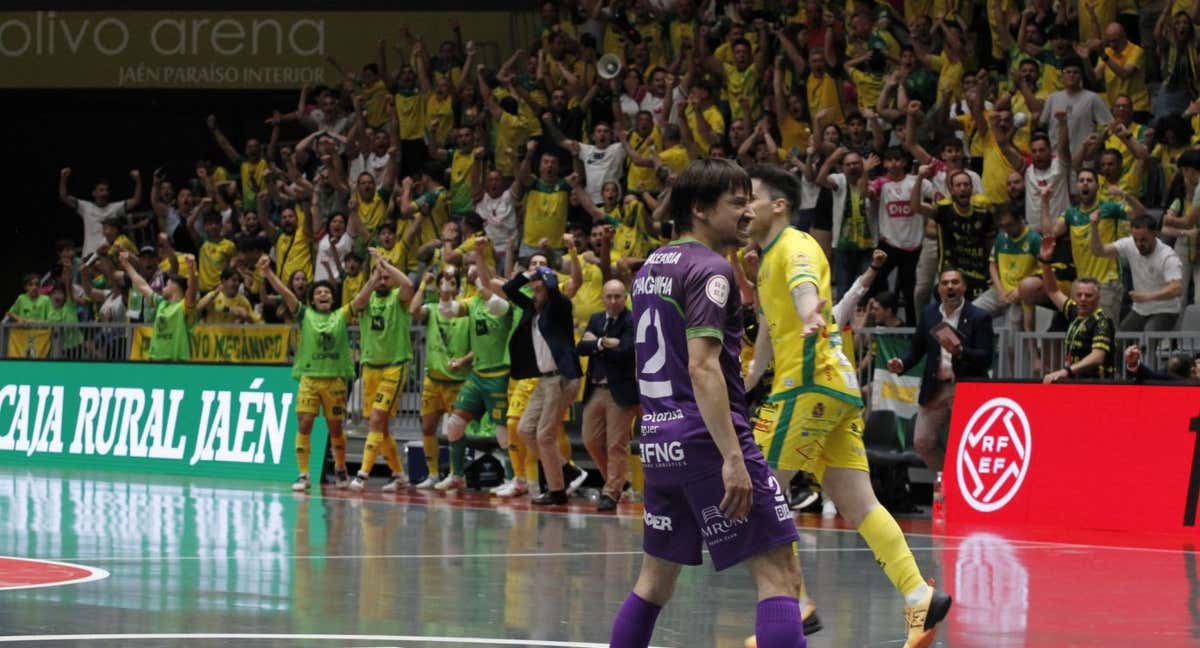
{"x":707,"y":291}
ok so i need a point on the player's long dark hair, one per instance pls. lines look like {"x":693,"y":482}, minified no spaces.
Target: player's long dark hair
{"x":700,"y":186}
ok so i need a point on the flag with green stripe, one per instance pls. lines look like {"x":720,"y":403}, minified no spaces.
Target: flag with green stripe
{"x":896,"y":393}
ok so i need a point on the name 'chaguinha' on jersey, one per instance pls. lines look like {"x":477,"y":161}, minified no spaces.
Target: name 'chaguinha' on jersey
{"x":814,"y":364}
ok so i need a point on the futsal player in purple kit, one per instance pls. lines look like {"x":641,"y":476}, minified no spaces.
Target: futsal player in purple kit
{"x":706,"y":480}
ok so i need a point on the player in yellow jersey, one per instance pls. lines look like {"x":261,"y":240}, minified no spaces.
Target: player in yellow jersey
{"x":812,"y":419}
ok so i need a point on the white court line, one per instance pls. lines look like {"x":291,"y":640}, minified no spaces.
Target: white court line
{"x":474,"y":641}
{"x":1016,"y":544}
{"x":95,"y":573}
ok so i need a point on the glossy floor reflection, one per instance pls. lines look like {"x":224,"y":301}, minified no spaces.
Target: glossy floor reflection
{"x":265,"y":567}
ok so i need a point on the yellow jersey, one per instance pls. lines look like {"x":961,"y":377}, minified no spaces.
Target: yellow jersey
{"x":375,"y":98}
{"x":802,"y":365}
{"x":294,"y":251}
{"x":716,"y":123}
{"x":214,"y":257}
{"x":373,"y":212}
{"x":643,"y":178}
{"x":219,"y":310}
{"x":410,"y":114}
{"x":546,"y":213}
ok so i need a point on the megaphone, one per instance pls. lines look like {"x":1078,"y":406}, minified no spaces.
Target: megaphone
{"x":608,"y":66}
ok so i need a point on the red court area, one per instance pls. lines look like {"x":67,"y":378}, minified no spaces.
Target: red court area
{"x":21,"y":573}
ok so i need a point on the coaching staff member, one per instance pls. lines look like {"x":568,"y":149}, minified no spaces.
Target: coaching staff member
{"x":957,"y":341}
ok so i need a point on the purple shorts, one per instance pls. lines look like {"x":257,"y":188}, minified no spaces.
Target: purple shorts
{"x":678,"y":518}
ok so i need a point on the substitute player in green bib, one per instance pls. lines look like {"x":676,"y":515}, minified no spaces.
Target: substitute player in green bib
{"x":170,"y":339}
{"x":447,"y":353}
{"x":323,"y":365}
{"x":384,"y":326}
{"x":486,"y":389}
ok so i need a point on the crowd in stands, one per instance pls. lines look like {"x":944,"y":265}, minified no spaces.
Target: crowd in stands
{"x":988,"y":136}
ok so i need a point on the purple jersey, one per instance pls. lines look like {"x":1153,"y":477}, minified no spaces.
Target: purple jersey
{"x":685,"y":290}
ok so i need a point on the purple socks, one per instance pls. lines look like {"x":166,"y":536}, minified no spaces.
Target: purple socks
{"x":635,"y":622}
{"x":777,"y":623}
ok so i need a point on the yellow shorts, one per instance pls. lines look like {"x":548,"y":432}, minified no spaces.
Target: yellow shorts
{"x":811,"y":432}
{"x":328,"y":394}
{"x":381,"y":388}
{"x":519,"y":392}
{"x":437,"y":396}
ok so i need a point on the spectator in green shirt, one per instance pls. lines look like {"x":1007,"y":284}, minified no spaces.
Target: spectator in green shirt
{"x":31,"y":306}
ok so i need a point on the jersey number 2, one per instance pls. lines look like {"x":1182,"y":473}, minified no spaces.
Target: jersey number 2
{"x":656,"y":361}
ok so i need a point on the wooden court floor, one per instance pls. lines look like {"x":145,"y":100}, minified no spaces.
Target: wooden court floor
{"x":172,"y":562}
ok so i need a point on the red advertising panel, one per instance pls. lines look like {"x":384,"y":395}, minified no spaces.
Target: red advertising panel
{"x":1081,"y":456}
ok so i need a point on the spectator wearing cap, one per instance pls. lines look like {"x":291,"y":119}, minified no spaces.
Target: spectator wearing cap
{"x":546,"y":325}
{"x":1085,"y":109}
{"x":1157,"y":276}
{"x":142,"y":310}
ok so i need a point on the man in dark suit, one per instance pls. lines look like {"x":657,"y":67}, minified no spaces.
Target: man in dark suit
{"x":548,"y":324}
{"x":956,"y":340}
{"x":610,"y":396}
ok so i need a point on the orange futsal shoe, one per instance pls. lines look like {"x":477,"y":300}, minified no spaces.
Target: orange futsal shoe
{"x":922,"y":619}
{"x":808,"y":613}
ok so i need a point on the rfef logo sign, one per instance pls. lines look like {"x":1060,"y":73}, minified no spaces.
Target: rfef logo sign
{"x":993,"y":455}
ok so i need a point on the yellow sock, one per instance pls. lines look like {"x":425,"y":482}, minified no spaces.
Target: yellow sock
{"x":637,"y":478}
{"x":430,"y":444}
{"x":891,"y":550}
{"x":516,"y":455}
{"x":339,"y":451}
{"x":564,"y":446}
{"x":303,"y":442}
{"x":391,"y":453}
{"x":370,"y":450}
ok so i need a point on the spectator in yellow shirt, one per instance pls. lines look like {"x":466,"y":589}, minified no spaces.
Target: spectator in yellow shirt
{"x":115,"y":238}
{"x":824,"y":92}
{"x":215,"y":251}
{"x":225,"y":305}
{"x":1122,"y":67}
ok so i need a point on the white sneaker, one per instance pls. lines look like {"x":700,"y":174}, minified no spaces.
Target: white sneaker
{"x":341,"y":479}
{"x":804,"y":500}
{"x":828,"y":509}
{"x":451,"y":483}
{"x":428,"y":484}
{"x":359,"y":482}
{"x":577,"y":482}
{"x":515,"y":488}
{"x":302,"y":483}
{"x":495,"y":490}
{"x":393,"y":484}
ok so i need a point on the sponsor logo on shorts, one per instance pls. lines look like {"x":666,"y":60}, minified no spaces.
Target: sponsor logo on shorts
{"x":662,"y":455}
{"x":993,"y":455}
{"x":818,"y":410}
{"x":718,"y":528}
{"x":657,"y":522}
{"x":782,"y":510}
{"x":663,"y":417}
